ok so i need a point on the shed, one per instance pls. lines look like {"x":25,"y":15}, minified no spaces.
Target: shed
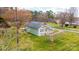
{"x":39,"y":28}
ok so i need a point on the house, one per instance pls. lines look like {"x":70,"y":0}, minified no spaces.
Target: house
{"x":39,"y":28}
{"x":76,"y":22}
{"x":46,"y":20}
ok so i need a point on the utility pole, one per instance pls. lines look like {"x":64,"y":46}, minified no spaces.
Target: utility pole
{"x":17,"y":32}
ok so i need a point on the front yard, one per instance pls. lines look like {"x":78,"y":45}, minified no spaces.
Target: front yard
{"x":29,"y":42}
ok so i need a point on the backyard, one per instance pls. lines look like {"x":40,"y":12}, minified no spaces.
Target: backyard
{"x":29,"y":42}
{"x":15,"y":20}
{"x":66,"y":28}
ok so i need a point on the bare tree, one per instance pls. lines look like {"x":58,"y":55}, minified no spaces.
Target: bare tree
{"x":72,"y":14}
{"x":39,"y":16}
{"x":62,"y":17}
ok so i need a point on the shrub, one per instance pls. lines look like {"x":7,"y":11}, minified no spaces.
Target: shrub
{"x":75,"y":26}
{"x":66,"y":25}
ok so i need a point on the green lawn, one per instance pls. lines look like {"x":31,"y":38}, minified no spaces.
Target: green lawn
{"x":67,"y":41}
{"x":29,"y":42}
{"x":67,"y":28}
{"x":54,"y":25}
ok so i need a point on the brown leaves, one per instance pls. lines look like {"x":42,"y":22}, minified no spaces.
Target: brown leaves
{"x":22,"y":15}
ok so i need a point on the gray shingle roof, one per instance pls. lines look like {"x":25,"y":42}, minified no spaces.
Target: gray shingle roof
{"x":34,"y":24}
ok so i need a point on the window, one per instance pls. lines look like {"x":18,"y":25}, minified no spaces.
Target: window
{"x":41,"y":30}
{"x":46,"y":29}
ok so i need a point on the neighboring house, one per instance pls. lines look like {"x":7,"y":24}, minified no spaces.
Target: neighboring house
{"x":52,"y":20}
{"x":39,"y":28}
{"x":76,"y":22}
{"x":67,"y":23}
{"x":58,"y":21}
{"x":47,"y":20}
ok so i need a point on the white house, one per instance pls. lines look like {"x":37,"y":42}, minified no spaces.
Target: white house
{"x":39,"y":28}
{"x":76,"y":22}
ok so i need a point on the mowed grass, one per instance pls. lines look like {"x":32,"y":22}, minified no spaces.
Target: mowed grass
{"x":66,"y":28}
{"x":54,"y":25}
{"x":66,"y":41}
